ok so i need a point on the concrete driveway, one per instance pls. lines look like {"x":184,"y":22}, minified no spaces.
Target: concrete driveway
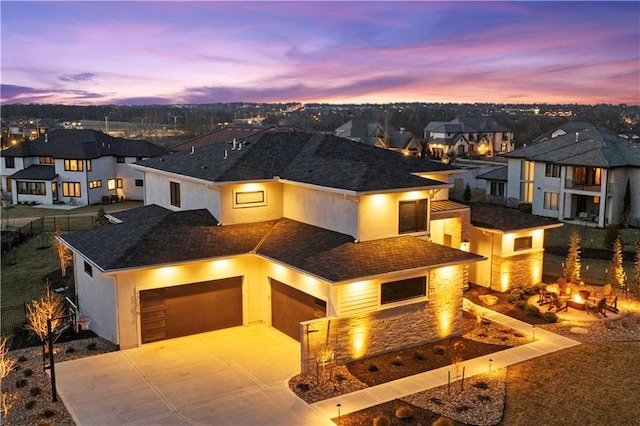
{"x":236,"y":376}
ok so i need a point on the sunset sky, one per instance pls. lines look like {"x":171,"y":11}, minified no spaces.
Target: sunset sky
{"x":173,"y":52}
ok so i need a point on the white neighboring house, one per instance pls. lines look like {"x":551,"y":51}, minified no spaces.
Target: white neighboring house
{"x":577,"y":172}
{"x":74,"y":167}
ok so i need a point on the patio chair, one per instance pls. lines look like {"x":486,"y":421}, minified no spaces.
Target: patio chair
{"x":606,"y":291}
{"x":613,"y":307}
{"x":597,"y":309}
{"x":557,"y":305}
{"x":545,"y":297}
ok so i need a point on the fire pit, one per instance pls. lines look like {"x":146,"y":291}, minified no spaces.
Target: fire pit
{"x":579,"y":300}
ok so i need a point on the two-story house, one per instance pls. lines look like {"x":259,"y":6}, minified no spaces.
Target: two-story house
{"x":375,"y":134}
{"x":333,"y":242}
{"x":77,"y":167}
{"x":577,"y":172}
{"x":468,"y":136}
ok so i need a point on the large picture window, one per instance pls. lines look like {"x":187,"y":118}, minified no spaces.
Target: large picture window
{"x":412,"y":216}
{"x":71,"y":189}
{"x":174,"y":188}
{"x":73,"y":165}
{"x":397,"y":291}
{"x":32,"y":188}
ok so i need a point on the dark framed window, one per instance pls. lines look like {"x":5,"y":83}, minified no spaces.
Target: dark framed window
{"x":88,"y":269}
{"x":88,"y":165}
{"x":31,"y":188}
{"x":174,"y":188}
{"x":95,"y":184}
{"x":10,"y":162}
{"x":47,"y":160}
{"x":71,"y":189}
{"x":412,"y":216}
{"x":119,"y":159}
{"x":119,"y":183}
{"x":522,"y":243}
{"x":73,"y":165}
{"x":497,"y":189}
{"x":138,"y":158}
{"x":139,"y":182}
{"x":552,"y":170}
{"x":396,"y":291}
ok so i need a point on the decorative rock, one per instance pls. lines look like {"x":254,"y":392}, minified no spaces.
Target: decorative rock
{"x":578,"y":330}
{"x":488,"y":299}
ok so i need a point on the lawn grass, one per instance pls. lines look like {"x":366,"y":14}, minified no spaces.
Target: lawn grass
{"x":589,"y":237}
{"x":595,"y":383}
{"x":16,"y":212}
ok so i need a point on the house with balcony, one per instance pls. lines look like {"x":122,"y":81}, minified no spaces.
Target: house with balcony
{"x":577,"y":172}
{"x":332,"y":242}
{"x":76,"y":167}
{"x":467,"y":136}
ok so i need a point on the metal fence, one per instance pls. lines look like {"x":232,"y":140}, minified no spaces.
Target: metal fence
{"x":12,"y":317}
{"x":43,"y":228}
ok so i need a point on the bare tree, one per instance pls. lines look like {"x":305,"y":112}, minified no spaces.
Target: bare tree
{"x":64,"y":254}
{"x":6,"y":366}
{"x":572,"y":265}
{"x":49,"y":306}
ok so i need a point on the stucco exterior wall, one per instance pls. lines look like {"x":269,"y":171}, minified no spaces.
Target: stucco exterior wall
{"x":193,"y":195}
{"x":384,"y":330}
{"x":102,"y":169}
{"x":231,"y":212}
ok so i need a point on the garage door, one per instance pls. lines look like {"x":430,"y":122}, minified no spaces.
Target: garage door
{"x":189,"y":309}
{"x":290,"y":307}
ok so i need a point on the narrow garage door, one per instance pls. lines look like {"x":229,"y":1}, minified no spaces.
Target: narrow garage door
{"x":189,"y":309}
{"x":289,"y":307}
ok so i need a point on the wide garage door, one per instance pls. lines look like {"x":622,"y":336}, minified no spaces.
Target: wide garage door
{"x":290,"y":307}
{"x":189,"y":309}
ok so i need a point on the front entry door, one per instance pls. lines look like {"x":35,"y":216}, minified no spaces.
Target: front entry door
{"x":54,"y":191}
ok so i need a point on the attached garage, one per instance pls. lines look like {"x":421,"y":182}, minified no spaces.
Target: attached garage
{"x":181,"y":310}
{"x":290,"y":307}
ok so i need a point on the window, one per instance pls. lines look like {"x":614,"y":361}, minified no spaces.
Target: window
{"x":497,"y":189}
{"x":88,"y":269}
{"x":31,"y":188}
{"x":47,"y":160}
{"x":552,"y":170}
{"x":119,"y":183}
{"x":396,"y":291}
{"x":139,"y":182}
{"x":526,"y":170}
{"x":526,"y":192}
{"x":71,"y":189}
{"x":88,"y":165}
{"x":73,"y":165}
{"x":596,"y":200}
{"x":111,"y":184}
{"x":119,"y":159}
{"x":9,"y":162}
{"x":551,"y":201}
{"x":249,"y":199}
{"x":503,"y":147}
{"x":522,"y":243}
{"x":174,"y":188}
{"x":95,"y":184}
{"x":413,"y":216}
{"x":138,"y":158}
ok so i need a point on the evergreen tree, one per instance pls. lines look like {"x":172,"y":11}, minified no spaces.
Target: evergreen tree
{"x":636,"y":271}
{"x":625,"y":217}
{"x":101,"y":219}
{"x":572,"y":264}
{"x":466,"y":195}
{"x":617,"y":269}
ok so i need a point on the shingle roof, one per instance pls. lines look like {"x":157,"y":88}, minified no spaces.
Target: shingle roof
{"x":323,"y":160}
{"x":589,"y":146}
{"x":228,"y":134}
{"x":499,"y":173}
{"x":83,"y":144}
{"x":167,"y":237}
{"x":467,"y":125}
{"x":507,"y":220}
{"x":36,"y":172}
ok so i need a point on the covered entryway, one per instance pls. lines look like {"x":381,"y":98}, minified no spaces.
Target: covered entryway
{"x":182,"y":310}
{"x":290,"y":307}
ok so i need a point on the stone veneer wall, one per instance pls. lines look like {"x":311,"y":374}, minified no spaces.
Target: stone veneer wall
{"x":518,"y":267}
{"x":390,"y":329}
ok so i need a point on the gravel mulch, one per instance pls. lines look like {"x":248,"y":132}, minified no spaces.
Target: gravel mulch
{"x":28,"y":387}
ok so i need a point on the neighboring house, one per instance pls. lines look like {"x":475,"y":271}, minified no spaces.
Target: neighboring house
{"x":228,"y":134}
{"x":364,"y":132}
{"x":333,"y":242}
{"x":404,"y":141}
{"x":74,"y":167}
{"x":577,"y":172}
{"x":496,"y":188}
{"x":513,"y":244}
{"x":468,"y":136}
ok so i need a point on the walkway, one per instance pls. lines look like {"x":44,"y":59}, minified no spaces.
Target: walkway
{"x":545,"y":343}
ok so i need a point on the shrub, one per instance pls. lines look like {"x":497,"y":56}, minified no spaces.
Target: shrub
{"x":35,"y":391}
{"x":525,"y":207}
{"x":481,"y":385}
{"x":397,"y":361}
{"x":28,"y":372}
{"x":22,"y":358}
{"x":340,"y":378}
{"x":48,"y":413}
{"x":462,"y":408}
{"x":382,"y":420}
{"x":521,"y":304}
{"x":20,"y":383}
{"x":439,"y":350}
{"x":518,"y":334}
{"x":484,"y":398}
{"x":443,"y":421}
{"x":532,"y":310}
{"x":404,"y":412}
{"x":550,"y":317}
{"x":92,"y":346}
{"x":303,"y":387}
{"x":70,"y":350}
{"x":515,"y":295}
{"x":30,"y":404}
{"x":436,"y":401}
{"x":418,"y":356}
{"x":373,"y":367}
